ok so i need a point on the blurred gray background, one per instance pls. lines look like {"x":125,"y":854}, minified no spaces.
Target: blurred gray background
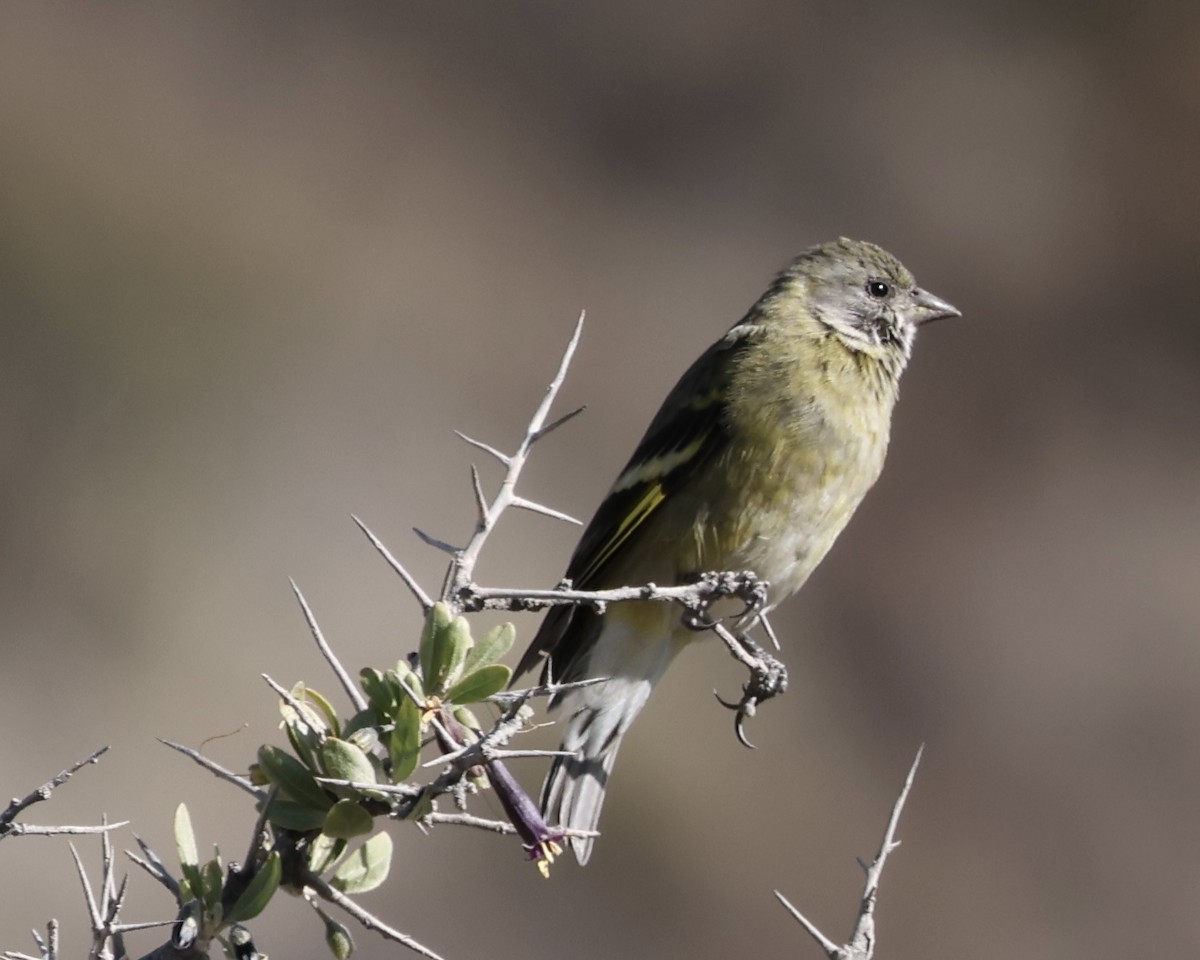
{"x":258,"y":261}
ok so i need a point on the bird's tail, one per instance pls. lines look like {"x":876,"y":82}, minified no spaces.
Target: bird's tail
{"x":598,"y":717}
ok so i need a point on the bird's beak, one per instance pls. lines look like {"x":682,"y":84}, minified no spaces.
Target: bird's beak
{"x":926,"y":308}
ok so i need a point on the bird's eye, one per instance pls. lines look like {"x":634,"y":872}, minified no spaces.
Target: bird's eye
{"x":878,"y":289}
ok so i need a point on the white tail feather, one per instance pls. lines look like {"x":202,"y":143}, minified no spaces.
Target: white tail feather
{"x":598,"y":718}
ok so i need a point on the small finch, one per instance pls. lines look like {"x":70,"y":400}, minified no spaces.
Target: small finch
{"x":756,"y":461}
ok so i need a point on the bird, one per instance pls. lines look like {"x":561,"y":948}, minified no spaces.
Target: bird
{"x":756,"y":461}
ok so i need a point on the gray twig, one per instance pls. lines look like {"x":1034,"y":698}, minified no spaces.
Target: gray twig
{"x":351,"y":688}
{"x":462,"y":566}
{"x":216,"y":769}
{"x":468,"y":820}
{"x":153,"y":865}
{"x":706,"y":589}
{"x":409,"y":580}
{"x":861,"y":945}
{"x":368,"y":920}
{"x":8,"y":826}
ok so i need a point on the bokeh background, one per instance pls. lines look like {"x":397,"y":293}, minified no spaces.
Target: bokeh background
{"x":258,"y":261}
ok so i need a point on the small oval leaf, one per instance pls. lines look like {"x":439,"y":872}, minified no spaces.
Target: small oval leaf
{"x":380,"y":694}
{"x":258,"y":892}
{"x":338,"y":939}
{"x":323,"y":851}
{"x":363,"y":720}
{"x":436,"y":622}
{"x":442,"y":657}
{"x":304,"y":693}
{"x":185,"y":839}
{"x":342,"y":760}
{"x":405,"y":745}
{"x":494,"y":645}
{"x":294,"y":780}
{"x":214,"y":880}
{"x":347,"y":819}
{"x":403,"y":677}
{"x":289,"y":815}
{"x":481,"y":684}
{"x":458,"y":644}
{"x":366,"y":868}
{"x":466,"y":718}
{"x":304,"y":743}
{"x":189,"y":858}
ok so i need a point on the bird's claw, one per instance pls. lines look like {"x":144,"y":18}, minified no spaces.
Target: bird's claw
{"x":740,"y":732}
{"x":768,"y":678}
{"x":756,"y":598}
{"x":698,"y":619}
{"x":743,"y":708}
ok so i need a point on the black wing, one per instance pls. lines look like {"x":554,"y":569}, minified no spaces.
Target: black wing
{"x":684,"y":436}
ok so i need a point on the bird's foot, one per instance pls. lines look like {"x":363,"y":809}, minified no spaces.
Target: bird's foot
{"x":768,"y":678}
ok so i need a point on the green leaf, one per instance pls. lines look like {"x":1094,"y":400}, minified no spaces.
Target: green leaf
{"x":404,"y":672}
{"x":323,"y":851}
{"x":189,"y":858}
{"x":363,"y":720}
{"x":306,"y":728}
{"x":467,"y":718}
{"x":366,"y":868}
{"x":343,"y":760}
{"x":458,"y":643}
{"x":258,"y":892}
{"x":445,"y":643}
{"x":185,"y":839}
{"x":436,"y":622}
{"x":307,"y":694}
{"x":381,"y":695}
{"x":304,"y":743}
{"x":405,"y":746}
{"x":366,"y":739}
{"x":338,"y":939}
{"x":494,"y":645}
{"x":347,"y":819}
{"x":211,"y":881}
{"x":294,"y":780}
{"x":481,"y":684}
{"x":289,"y":815}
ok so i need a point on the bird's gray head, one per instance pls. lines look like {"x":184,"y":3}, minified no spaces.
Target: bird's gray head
{"x":864,"y":296}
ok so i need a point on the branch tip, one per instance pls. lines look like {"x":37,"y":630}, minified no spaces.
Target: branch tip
{"x":487,"y":448}
{"x":409,"y":580}
{"x":534,"y":507}
{"x":830,"y":948}
{"x":348,"y":685}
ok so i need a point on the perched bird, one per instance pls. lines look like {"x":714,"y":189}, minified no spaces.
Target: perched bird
{"x":756,"y":461}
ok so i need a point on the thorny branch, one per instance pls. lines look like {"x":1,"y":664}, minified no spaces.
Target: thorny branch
{"x":480,"y":750}
{"x":768,"y":675}
{"x":10,"y":828}
{"x":242,"y":783}
{"x":103,"y":903}
{"x":861,"y":945}
{"x":368,"y":920}
{"x":348,"y":685}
